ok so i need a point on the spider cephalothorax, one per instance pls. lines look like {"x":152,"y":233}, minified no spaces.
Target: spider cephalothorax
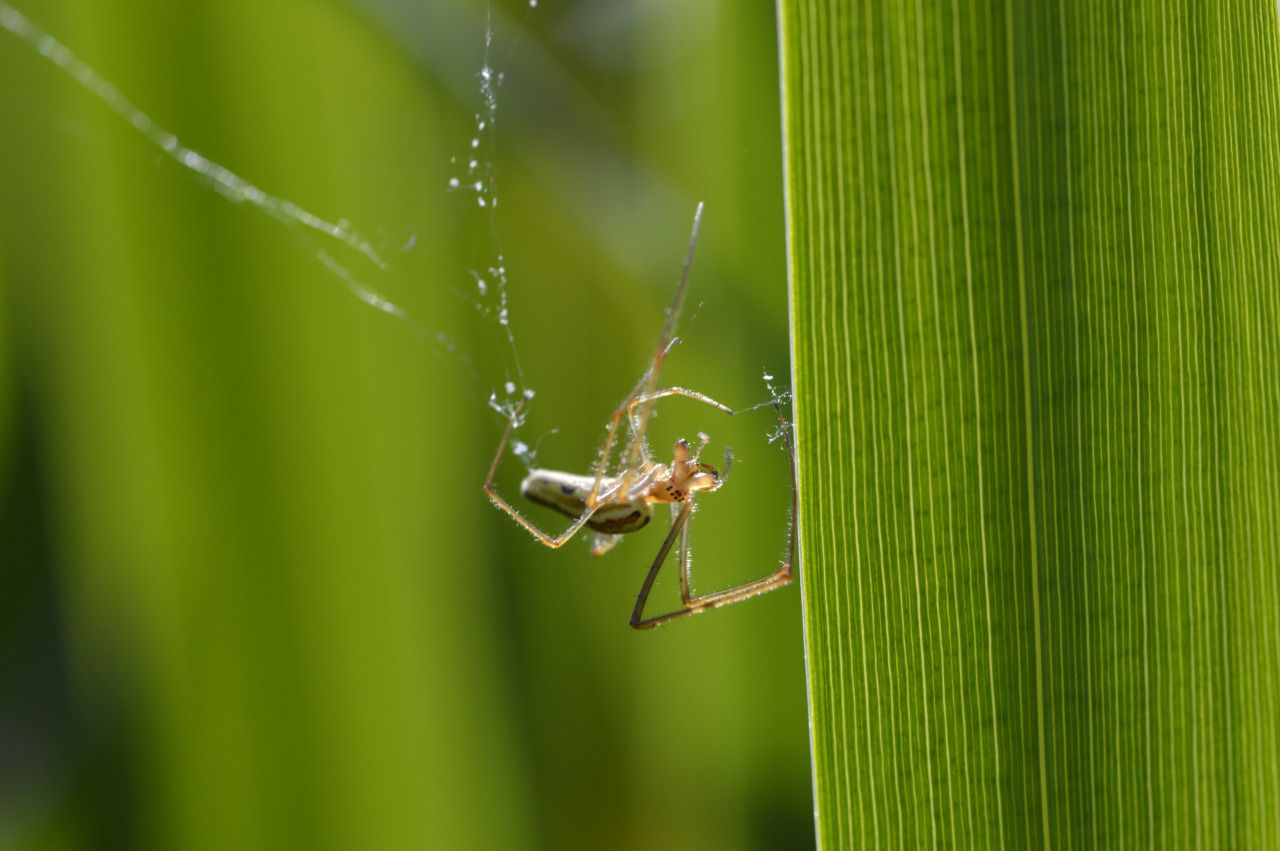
{"x":685,"y":476}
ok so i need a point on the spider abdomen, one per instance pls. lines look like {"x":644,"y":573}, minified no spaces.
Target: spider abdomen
{"x":567,"y":493}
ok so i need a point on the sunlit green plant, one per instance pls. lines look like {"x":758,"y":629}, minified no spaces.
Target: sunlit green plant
{"x":1034,"y":276}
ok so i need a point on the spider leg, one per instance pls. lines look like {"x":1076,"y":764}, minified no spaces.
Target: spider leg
{"x":694,"y":605}
{"x":678,"y":391}
{"x":686,"y":565}
{"x":779,"y":578}
{"x":637,"y":614}
{"x":555,"y":542}
{"x":626,"y":473}
{"x":643,"y":393}
{"x":642,"y":425}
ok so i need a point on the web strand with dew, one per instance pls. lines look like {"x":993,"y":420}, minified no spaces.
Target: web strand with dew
{"x":223,"y":180}
{"x":490,"y":281}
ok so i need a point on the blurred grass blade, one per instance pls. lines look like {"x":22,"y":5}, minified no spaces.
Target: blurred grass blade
{"x":1034,"y":254}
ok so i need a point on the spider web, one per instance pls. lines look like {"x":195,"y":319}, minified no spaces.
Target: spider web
{"x":476,"y":179}
{"x":479,"y":179}
{"x":489,"y":292}
{"x":221,"y":179}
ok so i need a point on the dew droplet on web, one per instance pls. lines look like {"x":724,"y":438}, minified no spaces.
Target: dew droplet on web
{"x":510,"y":387}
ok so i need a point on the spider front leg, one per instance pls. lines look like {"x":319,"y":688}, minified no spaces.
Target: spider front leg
{"x":647,"y":399}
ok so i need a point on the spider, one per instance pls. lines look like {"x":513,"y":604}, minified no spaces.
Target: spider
{"x":616,"y":503}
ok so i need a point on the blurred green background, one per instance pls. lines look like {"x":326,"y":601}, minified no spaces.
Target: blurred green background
{"x":252,"y":595}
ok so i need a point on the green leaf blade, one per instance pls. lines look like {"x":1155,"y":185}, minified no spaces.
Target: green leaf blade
{"x":1033,"y":256}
